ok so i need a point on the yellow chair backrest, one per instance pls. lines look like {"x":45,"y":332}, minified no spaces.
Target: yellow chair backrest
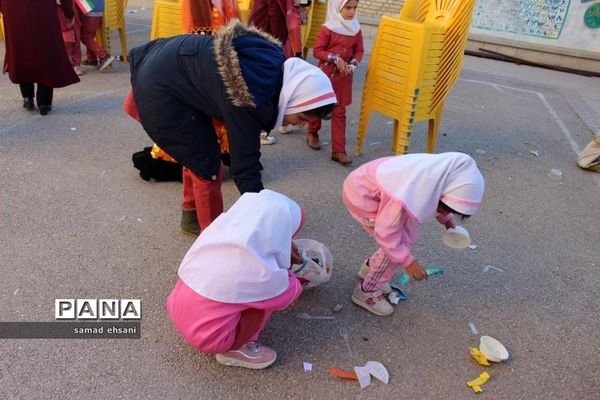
{"x":1,"y":27}
{"x":166,"y":19}
{"x":245,"y":6}
{"x":317,"y":13}
{"x":415,"y":61}
{"x":114,"y":18}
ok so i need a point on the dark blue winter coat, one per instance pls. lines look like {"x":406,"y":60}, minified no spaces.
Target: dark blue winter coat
{"x":180,"y":84}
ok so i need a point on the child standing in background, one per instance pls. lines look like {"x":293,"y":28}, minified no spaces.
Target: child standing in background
{"x":71,"y":32}
{"x":339,"y":49}
{"x":96,"y":55}
{"x":236,"y":274}
{"x":391,"y":196}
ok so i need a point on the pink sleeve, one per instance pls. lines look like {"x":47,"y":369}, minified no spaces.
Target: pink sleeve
{"x":395,"y":230}
{"x":278,"y":303}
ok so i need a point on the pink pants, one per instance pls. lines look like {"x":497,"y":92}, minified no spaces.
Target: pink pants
{"x":338,"y":129}
{"x":202,"y":195}
{"x":89,"y":26}
{"x":381,"y":268}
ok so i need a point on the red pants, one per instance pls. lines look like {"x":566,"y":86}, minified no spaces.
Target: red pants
{"x":89,"y":26}
{"x":202,"y":195}
{"x":338,"y":129}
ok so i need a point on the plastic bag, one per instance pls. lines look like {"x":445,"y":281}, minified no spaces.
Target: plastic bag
{"x":317,"y":263}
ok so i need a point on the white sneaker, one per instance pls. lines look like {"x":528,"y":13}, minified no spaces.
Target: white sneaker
{"x":364,"y":271}
{"x":287,"y":128}
{"x":252,"y":355}
{"x":372,"y":301}
{"x":266,"y":139}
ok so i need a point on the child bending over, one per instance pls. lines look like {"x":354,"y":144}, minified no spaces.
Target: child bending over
{"x":391,"y":196}
{"x":235,"y":276}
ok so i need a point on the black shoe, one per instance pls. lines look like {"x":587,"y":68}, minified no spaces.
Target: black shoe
{"x":44,"y":108}
{"x":28,"y":103}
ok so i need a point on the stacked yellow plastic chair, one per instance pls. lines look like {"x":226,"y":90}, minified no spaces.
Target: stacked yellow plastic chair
{"x":415,"y":61}
{"x":114,"y":18}
{"x":317,"y":14}
{"x":1,"y":27}
{"x":166,"y":19}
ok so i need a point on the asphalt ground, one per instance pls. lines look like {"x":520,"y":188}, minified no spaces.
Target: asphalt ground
{"x":78,"y":222}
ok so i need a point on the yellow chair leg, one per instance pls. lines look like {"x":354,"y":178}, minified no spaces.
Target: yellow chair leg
{"x":433,"y":129}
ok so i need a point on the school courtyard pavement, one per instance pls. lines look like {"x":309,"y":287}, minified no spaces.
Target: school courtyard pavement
{"x":77,"y":221}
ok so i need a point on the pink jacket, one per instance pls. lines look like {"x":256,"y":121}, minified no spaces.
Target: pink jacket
{"x":394,"y":228}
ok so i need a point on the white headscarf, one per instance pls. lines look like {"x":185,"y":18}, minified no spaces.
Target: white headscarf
{"x":420,"y":181}
{"x":336,"y":23}
{"x":244,"y":254}
{"x":305,"y":87}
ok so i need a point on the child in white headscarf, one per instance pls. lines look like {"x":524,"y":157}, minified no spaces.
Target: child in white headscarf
{"x":391,"y":196}
{"x":339,"y":49}
{"x":235,"y":276}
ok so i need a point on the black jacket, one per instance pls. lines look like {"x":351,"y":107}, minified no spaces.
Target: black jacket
{"x":180,"y":84}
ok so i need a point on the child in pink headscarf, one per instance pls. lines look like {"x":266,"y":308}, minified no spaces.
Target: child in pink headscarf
{"x":339,"y":49}
{"x":235,"y":276}
{"x":391,"y":196}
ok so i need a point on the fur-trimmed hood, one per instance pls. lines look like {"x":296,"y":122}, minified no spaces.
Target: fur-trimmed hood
{"x":248,"y":60}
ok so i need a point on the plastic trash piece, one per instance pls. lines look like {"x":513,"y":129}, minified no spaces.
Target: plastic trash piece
{"x":343,"y":374}
{"x":555,"y":173}
{"x":338,"y":308}
{"x":374,"y":368}
{"x":344,"y":334}
{"x":364,"y":377}
{"x":378,"y":371}
{"x":403,"y":279}
{"x":394,"y":297}
{"x":478,"y":356}
{"x":434,"y":271}
{"x":473,"y":329}
{"x":402,"y":293}
{"x":488,"y":267}
{"x":534,"y":152}
{"x":307,"y":366}
{"x":304,"y":315}
{"x":472,"y":246}
{"x":457,"y":237}
{"x":476,"y":383}
{"x":492,"y":349}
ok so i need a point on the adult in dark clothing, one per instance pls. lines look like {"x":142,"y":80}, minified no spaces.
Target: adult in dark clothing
{"x":182,"y":83}
{"x":35,"y":51}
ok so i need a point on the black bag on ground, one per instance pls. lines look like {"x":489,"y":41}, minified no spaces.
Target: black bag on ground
{"x":157,"y":169}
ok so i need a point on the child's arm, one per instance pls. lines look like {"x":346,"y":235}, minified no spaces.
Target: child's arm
{"x":321,"y":44}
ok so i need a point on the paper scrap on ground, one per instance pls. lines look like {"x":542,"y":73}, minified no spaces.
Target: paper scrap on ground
{"x":338,"y":308}
{"x":488,"y":267}
{"x":307,"y":366}
{"x":304,"y":315}
{"x":534,"y":152}
{"x":374,"y":368}
{"x":478,"y":356}
{"x":473,"y":329}
{"x":476,"y":383}
{"x":472,"y":246}
{"x":394,"y":297}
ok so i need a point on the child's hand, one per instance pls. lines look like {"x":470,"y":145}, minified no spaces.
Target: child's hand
{"x":340,"y":64}
{"x":296,"y":257}
{"x":416,"y":271}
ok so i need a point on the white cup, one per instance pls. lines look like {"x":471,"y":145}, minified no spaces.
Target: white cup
{"x":457,"y":238}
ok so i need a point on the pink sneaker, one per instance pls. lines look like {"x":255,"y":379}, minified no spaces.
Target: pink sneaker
{"x":251,"y":355}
